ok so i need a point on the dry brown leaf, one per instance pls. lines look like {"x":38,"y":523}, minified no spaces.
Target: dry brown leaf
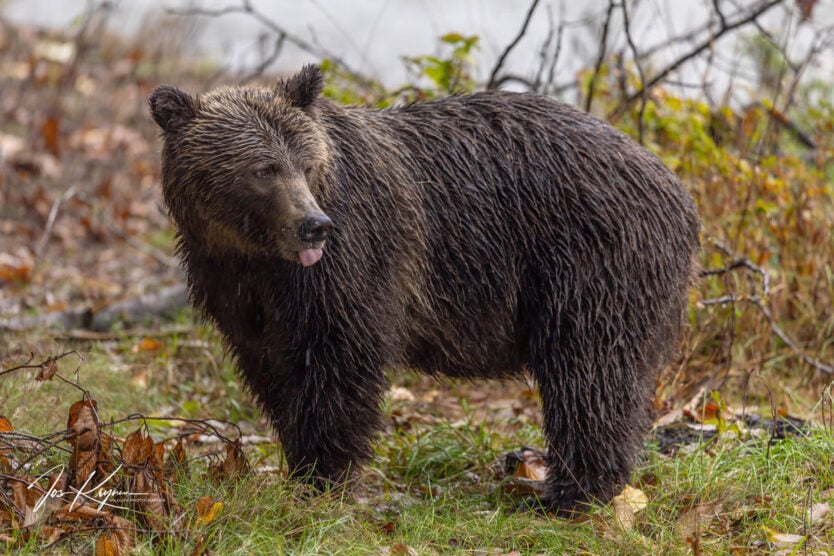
{"x":49,"y":131}
{"x":152,"y":499}
{"x":24,"y":500}
{"x":5,"y":426}
{"x":208,"y":509}
{"x":147,"y":344}
{"x":137,"y":448}
{"x":235,"y":465}
{"x":121,"y":533}
{"x":400,"y":394}
{"x":624,"y":514}
{"x":157,"y":459}
{"x":532,"y":466}
{"x":398,"y":549}
{"x":73,"y":512}
{"x":697,"y":518}
{"x":83,"y":463}
{"x":48,"y":370}
{"x":199,"y":549}
{"x":106,"y":546}
{"x":14,"y":269}
{"x":83,"y":423}
{"x":176,"y":460}
{"x":51,"y":535}
{"x":627,"y":504}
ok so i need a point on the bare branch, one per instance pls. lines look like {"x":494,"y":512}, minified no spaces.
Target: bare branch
{"x":603,"y":46}
{"x":701,"y":47}
{"x":269,"y":60}
{"x":551,"y":72}
{"x":246,"y":8}
{"x":759,"y":301}
{"x":634,"y":53}
{"x":503,"y":57}
{"x":716,"y":4}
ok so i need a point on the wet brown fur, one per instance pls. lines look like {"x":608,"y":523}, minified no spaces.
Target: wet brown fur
{"x":475,"y":236}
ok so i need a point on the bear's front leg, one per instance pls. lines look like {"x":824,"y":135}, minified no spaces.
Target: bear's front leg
{"x":326,"y":413}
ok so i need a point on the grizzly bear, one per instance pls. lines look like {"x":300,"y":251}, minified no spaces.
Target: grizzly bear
{"x":484,"y":235}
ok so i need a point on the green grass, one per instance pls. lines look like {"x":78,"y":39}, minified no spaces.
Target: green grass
{"x":433,"y":485}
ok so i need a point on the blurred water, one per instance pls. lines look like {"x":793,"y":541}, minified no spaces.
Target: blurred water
{"x":372,"y":36}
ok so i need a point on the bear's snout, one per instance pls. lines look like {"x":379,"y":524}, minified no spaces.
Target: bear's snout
{"x":314,"y":229}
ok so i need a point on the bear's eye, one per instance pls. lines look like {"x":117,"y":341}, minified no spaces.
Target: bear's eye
{"x":308,"y":173}
{"x":266,"y":173}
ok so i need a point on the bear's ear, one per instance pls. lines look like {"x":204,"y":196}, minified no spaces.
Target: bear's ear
{"x":171,"y":108}
{"x":304,"y":87}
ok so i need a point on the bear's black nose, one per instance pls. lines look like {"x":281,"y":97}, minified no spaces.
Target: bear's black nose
{"x":315,"y":228}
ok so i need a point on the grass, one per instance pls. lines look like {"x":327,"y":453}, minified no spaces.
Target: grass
{"x":434,"y":484}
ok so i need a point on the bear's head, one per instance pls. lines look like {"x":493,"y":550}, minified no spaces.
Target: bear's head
{"x":242,"y":167}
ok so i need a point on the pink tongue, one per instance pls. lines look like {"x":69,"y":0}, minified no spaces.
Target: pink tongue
{"x":309,"y":257}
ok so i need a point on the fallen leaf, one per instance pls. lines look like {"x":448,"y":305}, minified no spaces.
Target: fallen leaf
{"x":5,"y":426}
{"x":818,"y":511}
{"x":147,"y":344}
{"x":138,"y":448}
{"x":783,"y":540}
{"x":697,"y":518}
{"x":106,"y":546}
{"x":199,"y":548}
{"x":49,"y":131}
{"x":176,"y":461}
{"x":531,"y":465}
{"x":624,"y":514}
{"x":207,"y":509}
{"x":235,"y":465}
{"x":14,"y":269}
{"x":627,"y":504}
{"x":83,"y":423}
{"x":398,"y":549}
{"x":152,"y":500}
{"x":400,"y":394}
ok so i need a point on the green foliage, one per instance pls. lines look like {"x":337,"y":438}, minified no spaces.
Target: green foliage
{"x":429,"y":76}
{"x":448,"y":74}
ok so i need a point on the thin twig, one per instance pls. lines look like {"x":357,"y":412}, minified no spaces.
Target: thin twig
{"x":603,"y":46}
{"x":716,"y":5}
{"x":503,"y":57}
{"x":704,"y":45}
{"x":246,"y":8}
{"x":634,"y":53}
{"x":759,"y":301}
{"x":551,"y":72}
{"x":268,"y":60}
{"x":551,"y":32}
{"x":50,"y":221}
{"x":48,"y":361}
